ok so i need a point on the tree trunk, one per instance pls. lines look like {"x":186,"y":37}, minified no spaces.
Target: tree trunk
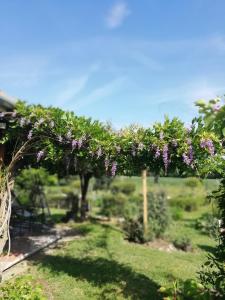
{"x":84,"y":182}
{"x":5,"y":212}
{"x":156,"y":178}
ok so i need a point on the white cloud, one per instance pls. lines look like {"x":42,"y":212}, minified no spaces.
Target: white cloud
{"x":99,"y":93}
{"x":73,"y":86}
{"x":117,"y":15}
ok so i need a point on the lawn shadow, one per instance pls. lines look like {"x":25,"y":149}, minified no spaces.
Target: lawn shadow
{"x":101,"y":271}
{"x":207,"y":248}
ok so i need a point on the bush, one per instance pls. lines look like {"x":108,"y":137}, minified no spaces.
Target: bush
{"x":29,"y":179}
{"x":123,"y":187}
{"x":134,"y":231}
{"x":158,"y":220}
{"x":192,"y":182}
{"x":158,"y":213}
{"x":21,"y":288}
{"x":176,"y":213}
{"x":183,"y":243}
{"x":187,"y":202}
{"x":208,"y":224}
{"x":190,"y":289}
{"x":132,"y":206}
{"x":102,"y":183}
{"x":113,"y":205}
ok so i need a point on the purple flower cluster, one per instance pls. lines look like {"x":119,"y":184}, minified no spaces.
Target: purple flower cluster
{"x":69,"y":135}
{"x":165,"y":156}
{"x":208,"y":144}
{"x":60,"y":139}
{"x":80,"y":143}
{"x":107,"y":164}
{"x":74,"y":144}
{"x":22,"y":122}
{"x":29,"y":136}
{"x":140,"y":146}
{"x":161,"y":135}
{"x":133,"y":150}
{"x":99,"y":153}
{"x":174,"y":143}
{"x":40,"y":154}
{"x":189,"y":157}
{"x":114,"y":168}
{"x":157,"y":152}
{"x":216,"y":107}
{"x":118,"y":149}
{"x":39,"y":122}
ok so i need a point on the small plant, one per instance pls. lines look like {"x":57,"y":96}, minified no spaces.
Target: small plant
{"x":176,"y":213}
{"x":113,"y":205}
{"x":187,"y":202}
{"x":22,"y":288}
{"x":193,"y":182}
{"x":127,"y":188}
{"x":158,"y":213}
{"x":190,"y":289}
{"x":134,"y":231}
{"x":183,"y":243}
{"x":208,"y":224}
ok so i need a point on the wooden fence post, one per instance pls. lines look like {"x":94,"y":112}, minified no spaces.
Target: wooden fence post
{"x":145,"y":200}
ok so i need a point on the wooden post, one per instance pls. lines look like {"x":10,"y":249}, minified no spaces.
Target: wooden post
{"x":145,"y":200}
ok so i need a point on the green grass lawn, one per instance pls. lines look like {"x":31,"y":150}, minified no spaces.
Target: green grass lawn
{"x":102,"y":265}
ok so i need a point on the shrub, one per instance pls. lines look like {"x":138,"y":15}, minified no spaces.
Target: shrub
{"x":208,"y":224}
{"x":113,"y":205}
{"x":187,"y":202}
{"x":183,"y":243}
{"x":102,"y":183}
{"x":29,"y":179}
{"x":158,"y":213}
{"x":192,"y":182}
{"x":134,"y":231}
{"x":123,"y":187}
{"x":158,"y":220}
{"x":190,"y":289}
{"x":176,"y":213}
{"x":21,"y":288}
{"x":132,"y":206}
{"x":212,"y":274}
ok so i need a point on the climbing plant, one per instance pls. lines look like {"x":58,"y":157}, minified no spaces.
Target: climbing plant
{"x":68,"y":144}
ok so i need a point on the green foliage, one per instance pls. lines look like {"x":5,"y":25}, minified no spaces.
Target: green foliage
{"x":183,"y":243}
{"x":29,"y":178}
{"x":192,"y":182}
{"x":208,"y":224}
{"x":127,"y":188}
{"x":113,"y":205}
{"x":21,"y":288}
{"x":212,"y":274}
{"x":158,"y":220}
{"x":102,"y":183}
{"x":158,"y":213}
{"x":187,"y":202}
{"x":190,"y":289}
{"x":176,"y":213}
{"x":134,"y":230}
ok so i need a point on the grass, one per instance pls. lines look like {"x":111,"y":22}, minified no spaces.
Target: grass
{"x":102,"y":265}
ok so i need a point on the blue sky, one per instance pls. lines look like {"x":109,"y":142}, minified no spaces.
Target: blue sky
{"x":124,"y":61}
